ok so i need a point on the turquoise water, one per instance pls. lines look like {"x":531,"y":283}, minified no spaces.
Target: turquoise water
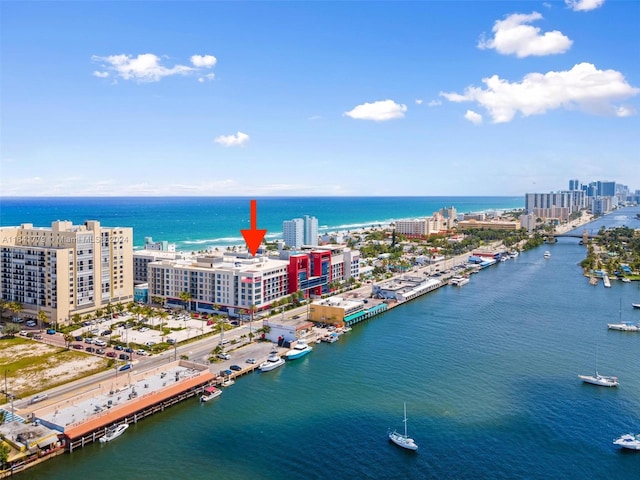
{"x":488,"y":372}
{"x":195,"y":223}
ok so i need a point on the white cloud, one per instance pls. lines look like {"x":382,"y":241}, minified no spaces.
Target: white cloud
{"x":473,"y":117}
{"x":583,"y":5}
{"x":206,"y":61}
{"x":208,"y":76}
{"x":583,"y":87}
{"x":148,"y":67}
{"x":232,"y":140}
{"x":378,"y":111}
{"x":419,"y":101}
{"x":315,"y":117}
{"x":434,"y":103}
{"x":513,"y":37}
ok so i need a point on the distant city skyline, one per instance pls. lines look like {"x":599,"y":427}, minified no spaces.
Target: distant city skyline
{"x":317,"y":98}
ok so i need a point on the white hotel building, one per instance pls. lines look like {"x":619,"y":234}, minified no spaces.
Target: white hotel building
{"x":229,"y":282}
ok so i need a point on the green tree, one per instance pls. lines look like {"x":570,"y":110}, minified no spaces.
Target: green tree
{"x":68,"y":339}
{"x":4,"y":454}
{"x":42,"y":318}
{"x":186,"y":298}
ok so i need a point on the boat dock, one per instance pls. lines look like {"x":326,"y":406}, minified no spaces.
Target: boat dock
{"x":606,"y":281}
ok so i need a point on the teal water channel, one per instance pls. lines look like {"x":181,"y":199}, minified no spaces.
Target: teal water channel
{"x":488,"y":372}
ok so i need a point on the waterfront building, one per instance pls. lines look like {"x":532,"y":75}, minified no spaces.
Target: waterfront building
{"x":287,"y":331}
{"x":310,"y":230}
{"x":293,"y":232}
{"x":66,"y":269}
{"x":492,"y":224}
{"x":142,"y":258}
{"x":423,"y":227}
{"x":602,"y":205}
{"x":162,"y":246}
{"x":231,"y":281}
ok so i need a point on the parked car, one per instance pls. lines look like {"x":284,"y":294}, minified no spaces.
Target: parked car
{"x":100,"y":343}
{"x":226,"y":373}
{"x":37,"y":336}
{"x":90,"y":349}
{"x":30,"y":323}
{"x":51,"y":331}
{"x":111,"y":354}
{"x":106,"y":332}
{"x":171,"y":341}
{"x":86,"y":340}
{"x":77,"y":346}
{"x":124,"y":356}
{"x":251,"y":360}
{"x":224,"y":356}
{"x":128,"y":350}
{"x":237,"y":368}
{"x":78,"y":338}
{"x":118,"y":347}
{"x":100,"y":351}
{"x":150,"y":344}
{"x":142,"y":352}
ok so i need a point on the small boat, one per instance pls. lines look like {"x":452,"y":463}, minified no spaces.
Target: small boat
{"x":514,"y":253}
{"x":547,"y":254}
{"x":300,"y":350}
{"x":114,"y":432}
{"x":403,"y":441}
{"x":625,"y":280}
{"x":635,"y":305}
{"x":628,"y":440}
{"x":210,"y":393}
{"x":332,"y":337}
{"x":458,"y":280}
{"x":273,"y":361}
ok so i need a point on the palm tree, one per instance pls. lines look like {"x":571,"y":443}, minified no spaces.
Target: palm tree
{"x":4,"y":304}
{"x":42,"y":318}
{"x":16,"y":308}
{"x":68,"y":338}
{"x":252,"y":311}
{"x":76,"y":318}
{"x":186,"y":297}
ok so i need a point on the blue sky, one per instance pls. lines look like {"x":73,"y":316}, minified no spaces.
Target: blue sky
{"x":318,"y":98}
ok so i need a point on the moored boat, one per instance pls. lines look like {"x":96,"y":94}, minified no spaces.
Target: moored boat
{"x":600,"y":380}
{"x":210,"y":393}
{"x":401,"y":440}
{"x":547,"y":254}
{"x":624,"y":327}
{"x":114,"y":432}
{"x":629,"y":441}
{"x":300,"y":350}
{"x":458,"y":280}
{"x":273,"y":361}
{"x":635,"y":305}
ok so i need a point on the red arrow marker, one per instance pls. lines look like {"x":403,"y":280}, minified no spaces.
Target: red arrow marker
{"x":253,"y":237}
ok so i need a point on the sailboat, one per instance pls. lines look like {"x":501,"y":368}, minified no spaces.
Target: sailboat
{"x":597,"y":379}
{"x":403,"y":440}
{"x":624,"y":326}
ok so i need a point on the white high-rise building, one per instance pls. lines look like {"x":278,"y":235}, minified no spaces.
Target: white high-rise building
{"x":310,"y":230}
{"x":293,"y":232}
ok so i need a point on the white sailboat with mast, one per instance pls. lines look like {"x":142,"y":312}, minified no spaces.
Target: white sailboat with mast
{"x":597,"y":379}
{"x":403,"y":441}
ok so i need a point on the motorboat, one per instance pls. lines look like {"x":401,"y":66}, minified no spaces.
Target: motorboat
{"x":635,"y":305}
{"x":210,"y":393}
{"x":114,"y":432}
{"x":273,"y":361}
{"x":458,"y":280}
{"x":401,"y":440}
{"x":628,"y":440}
{"x":330,"y":338}
{"x":601,"y":380}
{"x":514,"y":253}
{"x":300,"y":350}
{"x":547,"y":254}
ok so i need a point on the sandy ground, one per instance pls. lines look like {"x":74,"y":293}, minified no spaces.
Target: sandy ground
{"x":57,"y":369}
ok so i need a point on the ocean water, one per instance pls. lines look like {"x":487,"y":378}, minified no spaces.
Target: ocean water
{"x":195,"y":223}
{"x":488,"y":372}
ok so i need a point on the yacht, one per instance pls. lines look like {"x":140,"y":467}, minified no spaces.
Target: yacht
{"x":514,"y":253}
{"x":458,"y":280}
{"x":210,"y":393}
{"x":114,"y":432}
{"x":274,"y":361}
{"x":635,"y":305}
{"x":628,"y":440}
{"x":300,"y":350}
{"x":401,"y":440}
{"x":547,"y":254}
{"x":624,"y":327}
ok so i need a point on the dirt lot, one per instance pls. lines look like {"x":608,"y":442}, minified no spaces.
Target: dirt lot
{"x":32,"y":366}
